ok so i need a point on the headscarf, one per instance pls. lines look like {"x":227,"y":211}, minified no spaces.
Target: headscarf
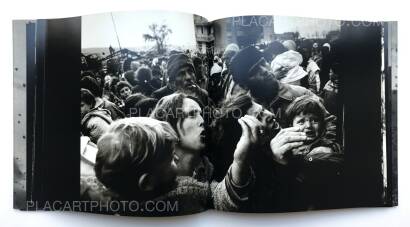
{"x":289,"y":44}
{"x":286,"y":67}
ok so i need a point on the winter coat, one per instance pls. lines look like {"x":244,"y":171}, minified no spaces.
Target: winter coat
{"x":287,"y":93}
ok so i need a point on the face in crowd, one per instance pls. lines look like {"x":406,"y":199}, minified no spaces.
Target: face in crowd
{"x":125,"y":92}
{"x":262,"y":83}
{"x":191,"y":126}
{"x":310,"y":124}
{"x":263,"y":115}
{"x":185,"y":78}
{"x":87,"y":102}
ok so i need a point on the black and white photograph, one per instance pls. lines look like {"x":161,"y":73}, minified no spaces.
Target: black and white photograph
{"x":204,"y":113}
{"x":243,"y":114}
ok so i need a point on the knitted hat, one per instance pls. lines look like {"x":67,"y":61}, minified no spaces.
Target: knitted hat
{"x":176,"y":62}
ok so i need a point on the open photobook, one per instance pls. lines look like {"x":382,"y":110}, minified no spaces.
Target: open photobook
{"x":157,"y":113}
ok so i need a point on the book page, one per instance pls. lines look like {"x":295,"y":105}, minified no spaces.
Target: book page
{"x":143,"y":93}
{"x":173,"y":114}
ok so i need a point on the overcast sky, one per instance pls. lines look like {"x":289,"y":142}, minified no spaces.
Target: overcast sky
{"x":307,"y":27}
{"x":98,"y":29}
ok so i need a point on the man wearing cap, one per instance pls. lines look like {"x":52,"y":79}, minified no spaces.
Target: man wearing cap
{"x":251,"y":71}
{"x":181,"y":74}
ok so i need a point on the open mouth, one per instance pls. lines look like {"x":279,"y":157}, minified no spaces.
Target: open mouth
{"x":310,"y":135}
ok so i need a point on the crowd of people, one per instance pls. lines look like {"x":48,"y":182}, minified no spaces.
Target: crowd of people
{"x":250,"y":130}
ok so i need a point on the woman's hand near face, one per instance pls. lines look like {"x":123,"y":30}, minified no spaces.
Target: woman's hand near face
{"x":286,"y":140}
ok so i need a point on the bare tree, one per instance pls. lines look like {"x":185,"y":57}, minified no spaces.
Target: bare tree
{"x":159,"y":33}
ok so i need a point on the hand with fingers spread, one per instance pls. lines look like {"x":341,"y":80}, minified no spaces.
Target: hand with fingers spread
{"x":251,"y":130}
{"x":285,"y":141}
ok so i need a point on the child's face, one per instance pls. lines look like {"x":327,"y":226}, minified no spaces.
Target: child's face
{"x":310,"y":124}
{"x":125,"y":92}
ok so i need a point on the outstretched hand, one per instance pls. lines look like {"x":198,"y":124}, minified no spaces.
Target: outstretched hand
{"x":286,"y":140}
{"x":252,"y":129}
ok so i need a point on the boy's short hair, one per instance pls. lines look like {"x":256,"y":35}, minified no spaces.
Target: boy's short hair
{"x":305,"y":104}
{"x":130,"y":148}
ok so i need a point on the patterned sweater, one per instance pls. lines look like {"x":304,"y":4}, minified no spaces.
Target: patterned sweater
{"x":187,"y":196}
